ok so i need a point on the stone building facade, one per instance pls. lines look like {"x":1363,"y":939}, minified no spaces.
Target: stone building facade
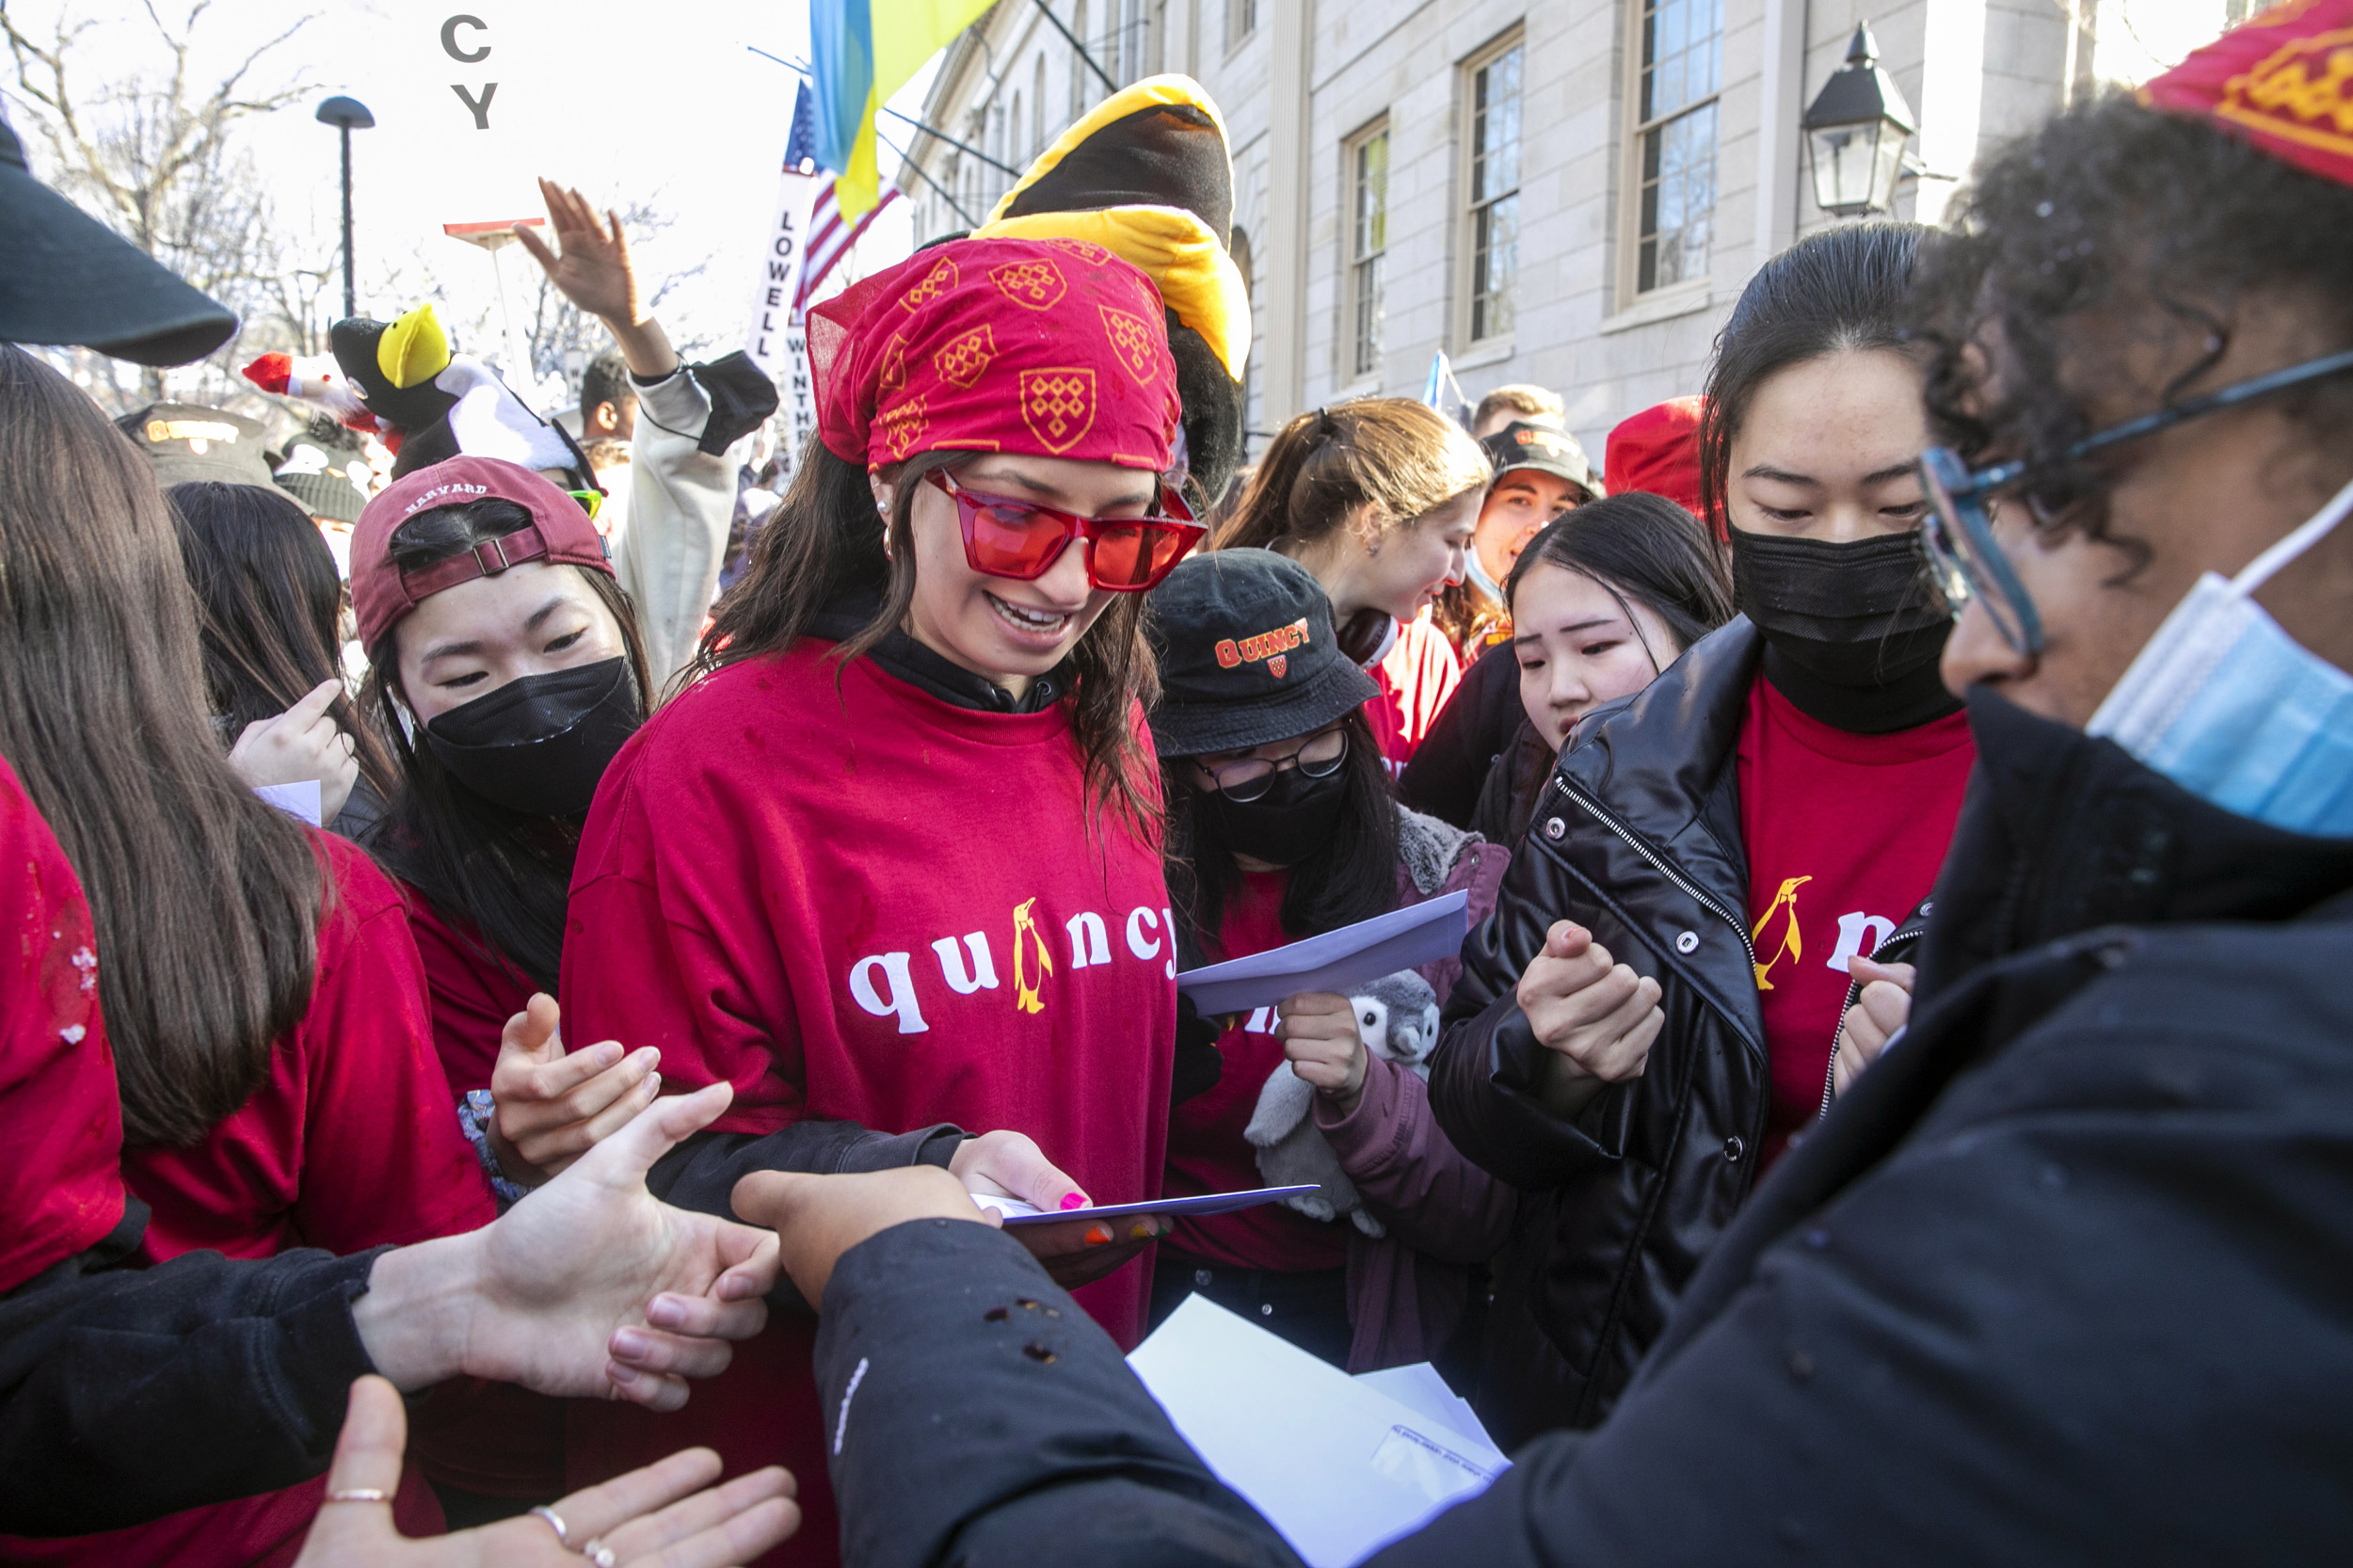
{"x":1568,"y":192}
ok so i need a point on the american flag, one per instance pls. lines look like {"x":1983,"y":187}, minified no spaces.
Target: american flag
{"x":828,"y":235}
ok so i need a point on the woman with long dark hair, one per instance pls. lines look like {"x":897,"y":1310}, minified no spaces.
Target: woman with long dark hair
{"x":1378,"y":498}
{"x":1601,"y":603}
{"x":892,"y":859}
{"x":264,"y":1001}
{"x":483,"y":827}
{"x":269,"y":613}
{"x":1282,"y":825}
{"x":1713,"y":867}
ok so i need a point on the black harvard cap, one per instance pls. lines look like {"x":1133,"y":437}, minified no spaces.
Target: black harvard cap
{"x":190,"y":444}
{"x":65,"y":278}
{"x":1246,"y":654}
{"x":1520,"y":444}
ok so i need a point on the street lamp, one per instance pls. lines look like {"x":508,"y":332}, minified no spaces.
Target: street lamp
{"x":347,"y":114}
{"x":1855,"y":133}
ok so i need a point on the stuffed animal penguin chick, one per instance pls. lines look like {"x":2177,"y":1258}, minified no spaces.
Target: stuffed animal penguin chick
{"x":1397,"y":1016}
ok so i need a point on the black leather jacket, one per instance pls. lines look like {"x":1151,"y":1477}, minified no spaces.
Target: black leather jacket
{"x":1638,"y":838}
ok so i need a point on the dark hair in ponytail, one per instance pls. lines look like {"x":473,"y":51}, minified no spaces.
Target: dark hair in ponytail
{"x":1399,"y":456}
{"x":508,"y":873}
{"x":1840,"y":291}
{"x":824,"y":547}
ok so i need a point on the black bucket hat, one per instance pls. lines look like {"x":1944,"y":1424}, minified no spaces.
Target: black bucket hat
{"x":1246,"y":654}
{"x":188,"y":444}
{"x":65,"y":278}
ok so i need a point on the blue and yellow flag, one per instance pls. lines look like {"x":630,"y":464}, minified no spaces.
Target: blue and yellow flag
{"x":861,"y":52}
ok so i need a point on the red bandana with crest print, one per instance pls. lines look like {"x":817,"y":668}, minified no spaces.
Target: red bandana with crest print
{"x":1054,"y":348}
{"x":2283,"y":79}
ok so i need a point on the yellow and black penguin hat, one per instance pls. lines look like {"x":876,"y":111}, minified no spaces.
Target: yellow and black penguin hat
{"x":1146,"y":176}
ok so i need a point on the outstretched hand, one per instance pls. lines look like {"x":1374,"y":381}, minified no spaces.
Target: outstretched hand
{"x":589,"y":1288}
{"x":818,"y":1218}
{"x":593,"y":1262}
{"x":551,"y":1108}
{"x":667,"y":1514}
{"x":590,"y":264}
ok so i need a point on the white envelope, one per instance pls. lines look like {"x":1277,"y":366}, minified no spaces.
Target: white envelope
{"x":1400,"y":939}
{"x":1337,"y":1466}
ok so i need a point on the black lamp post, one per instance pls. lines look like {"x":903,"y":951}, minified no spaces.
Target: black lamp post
{"x":1855,"y":131}
{"x":347,"y":114}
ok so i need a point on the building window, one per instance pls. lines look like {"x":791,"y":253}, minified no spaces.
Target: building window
{"x":1495,"y":191}
{"x":1079,"y":71}
{"x":1368,"y":238}
{"x":1676,"y":139}
{"x":1241,"y":19}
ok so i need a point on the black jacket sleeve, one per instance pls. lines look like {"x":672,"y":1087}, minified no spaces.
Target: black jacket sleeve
{"x":978,"y":1415}
{"x":1488,"y":1067}
{"x":127,"y":1394}
{"x":701,"y":1173}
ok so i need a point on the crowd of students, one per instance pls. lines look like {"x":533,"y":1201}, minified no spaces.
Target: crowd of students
{"x":1890,"y":1104}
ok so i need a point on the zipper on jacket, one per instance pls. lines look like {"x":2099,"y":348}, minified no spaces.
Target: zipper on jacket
{"x":1854,"y":994}
{"x":1658,"y":863}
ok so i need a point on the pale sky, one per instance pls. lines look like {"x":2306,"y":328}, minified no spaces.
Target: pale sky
{"x":661,"y":102}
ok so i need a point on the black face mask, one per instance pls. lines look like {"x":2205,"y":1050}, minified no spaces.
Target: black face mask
{"x":1853,"y":631}
{"x":538,"y":746}
{"x":1288,"y":823}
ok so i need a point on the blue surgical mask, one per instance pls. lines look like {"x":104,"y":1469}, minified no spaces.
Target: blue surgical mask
{"x":2226,"y":704}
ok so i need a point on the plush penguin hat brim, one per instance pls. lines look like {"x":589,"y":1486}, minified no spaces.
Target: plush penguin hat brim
{"x":1146,"y":176}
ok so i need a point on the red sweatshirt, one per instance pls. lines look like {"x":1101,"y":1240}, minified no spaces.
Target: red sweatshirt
{"x":1846,"y":834}
{"x":474,"y":990}
{"x":853,"y":901}
{"x":61,"y":1114}
{"x":1417,"y":677}
{"x":351,"y":1142}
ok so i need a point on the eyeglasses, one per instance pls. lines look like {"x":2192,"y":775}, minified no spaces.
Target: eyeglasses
{"x":1247,"y":778}
{"x":1958,"y":533}
{"x":1023,"y":541}
{"x":590,"y":501}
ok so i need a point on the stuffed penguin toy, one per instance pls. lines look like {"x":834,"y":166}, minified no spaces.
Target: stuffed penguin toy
{"x":434,"y":403}
{"x":1146,"y":176}
{"x":1397,"y":1016}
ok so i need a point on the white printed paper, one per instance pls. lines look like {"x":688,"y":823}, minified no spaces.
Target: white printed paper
{"x":1420,"y":1388}
{"x":1337,"y":1466}
{"x":1400,"y":939}
{"x":299,"y":799}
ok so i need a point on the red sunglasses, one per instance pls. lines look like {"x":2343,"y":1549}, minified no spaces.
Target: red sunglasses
{"x":1023,"y":541}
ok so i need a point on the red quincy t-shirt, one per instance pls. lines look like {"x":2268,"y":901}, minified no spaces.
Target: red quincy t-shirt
{"x":351,"y":1142}
{"x":61,"y":1114}
{"x":1846,"y":834}
{"x":1207,"y":1152}
{"x":853,"y":901}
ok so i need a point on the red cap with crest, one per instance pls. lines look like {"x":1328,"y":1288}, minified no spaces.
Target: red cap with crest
{"x":2283,"y":79}
{"x":1659,"y":449}
{"x":1056,"y":348}
{"x":559,"y":533}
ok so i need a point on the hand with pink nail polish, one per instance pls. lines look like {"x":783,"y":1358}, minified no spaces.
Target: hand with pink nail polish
{"x":1075,"y":1254}
{"x":551,"y":1108}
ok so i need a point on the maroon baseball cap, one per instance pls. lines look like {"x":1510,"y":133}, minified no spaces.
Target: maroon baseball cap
{"x":559,"y":533}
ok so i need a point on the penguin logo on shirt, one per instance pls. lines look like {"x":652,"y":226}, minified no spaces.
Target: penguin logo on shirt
{"x":1028,"y":942}
{"x":1792,"y":943}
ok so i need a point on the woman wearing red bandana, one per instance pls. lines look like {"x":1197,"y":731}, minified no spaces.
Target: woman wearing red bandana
{"x":893,"y":860}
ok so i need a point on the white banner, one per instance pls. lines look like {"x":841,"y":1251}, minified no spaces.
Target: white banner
{"x":774,"y":338}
